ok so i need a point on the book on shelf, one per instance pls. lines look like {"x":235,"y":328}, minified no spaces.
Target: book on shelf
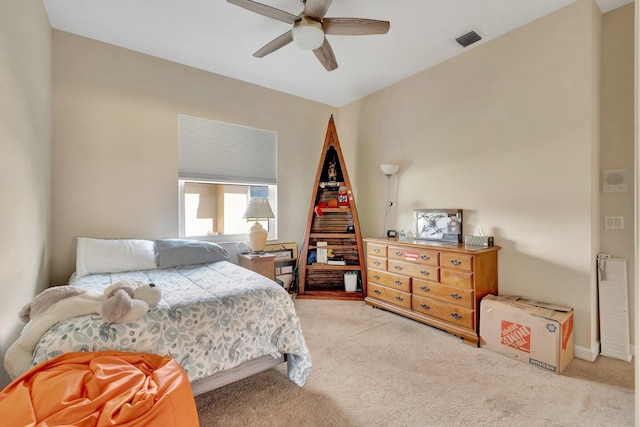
{"x":336,"y":261}
{"x":321,"y":254}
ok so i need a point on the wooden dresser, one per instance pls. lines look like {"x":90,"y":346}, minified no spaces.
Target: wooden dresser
{"x":440,"y":284}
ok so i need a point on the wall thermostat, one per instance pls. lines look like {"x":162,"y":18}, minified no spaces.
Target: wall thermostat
{"x":614,"y":181}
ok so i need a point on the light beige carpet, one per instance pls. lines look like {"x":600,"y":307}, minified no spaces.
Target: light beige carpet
{"x":375,"y":368}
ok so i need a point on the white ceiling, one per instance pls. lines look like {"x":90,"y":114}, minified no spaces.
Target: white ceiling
{"x":219,"y":37}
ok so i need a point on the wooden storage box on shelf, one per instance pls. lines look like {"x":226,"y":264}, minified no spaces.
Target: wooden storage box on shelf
{"x":439,"y":284}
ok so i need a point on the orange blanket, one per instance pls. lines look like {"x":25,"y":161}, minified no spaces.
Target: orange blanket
{"x":108,"y":388}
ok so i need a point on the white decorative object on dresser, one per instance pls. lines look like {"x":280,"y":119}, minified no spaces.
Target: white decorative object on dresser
{"x":439,"y":284}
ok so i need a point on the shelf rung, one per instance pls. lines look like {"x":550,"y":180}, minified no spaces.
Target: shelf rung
{"x":332,"y":235}
{"x":339,"y":210}
{"x":335,"y":247}
{"x":333,"y":267}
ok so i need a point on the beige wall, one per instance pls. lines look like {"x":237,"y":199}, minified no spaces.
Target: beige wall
{"x":25,"y":161}
{"x":115,"y":142}
{"x":617,"y":134}
{"x":508,"y":132}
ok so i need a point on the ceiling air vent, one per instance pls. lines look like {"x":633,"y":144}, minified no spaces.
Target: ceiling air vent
{"x":468,"y":39}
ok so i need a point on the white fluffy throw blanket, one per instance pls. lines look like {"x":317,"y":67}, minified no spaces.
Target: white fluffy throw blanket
{"x":17,"y":359}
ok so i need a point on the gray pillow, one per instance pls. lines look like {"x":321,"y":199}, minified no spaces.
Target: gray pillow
{"x":177,"y":252}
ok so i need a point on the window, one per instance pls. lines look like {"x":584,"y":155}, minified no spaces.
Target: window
{"x":221,"y":167}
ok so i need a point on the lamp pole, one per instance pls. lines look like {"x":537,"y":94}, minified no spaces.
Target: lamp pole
{"x":388,"y":170}
{"x":387,"y":206}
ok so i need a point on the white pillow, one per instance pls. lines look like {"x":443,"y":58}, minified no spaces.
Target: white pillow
{"x":113,"y":255}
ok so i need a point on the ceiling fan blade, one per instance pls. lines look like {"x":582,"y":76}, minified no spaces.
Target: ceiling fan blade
{"x":354,"y":26}
{"x":265,"y":10}
{"x":325,"y":55}
{"x":274,"y":45}
{"x":316,"y":9}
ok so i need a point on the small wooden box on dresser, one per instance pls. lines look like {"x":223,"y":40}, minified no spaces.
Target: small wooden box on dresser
{"x":439,"y":284}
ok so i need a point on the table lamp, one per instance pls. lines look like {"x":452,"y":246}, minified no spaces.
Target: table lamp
{"x":258,"y":209}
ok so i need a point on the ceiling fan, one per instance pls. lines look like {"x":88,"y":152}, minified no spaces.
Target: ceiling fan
{"x":310,"y":27}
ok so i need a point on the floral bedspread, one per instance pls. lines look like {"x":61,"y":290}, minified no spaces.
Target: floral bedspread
{"x":212,"y":317}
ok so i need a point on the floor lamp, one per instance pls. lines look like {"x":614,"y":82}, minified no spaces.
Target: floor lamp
{"x":388,"y":170}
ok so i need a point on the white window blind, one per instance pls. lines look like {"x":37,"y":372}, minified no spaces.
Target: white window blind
{"x":224,"y":152}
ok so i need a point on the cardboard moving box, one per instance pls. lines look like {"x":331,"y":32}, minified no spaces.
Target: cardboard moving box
{"x":530,"y":331}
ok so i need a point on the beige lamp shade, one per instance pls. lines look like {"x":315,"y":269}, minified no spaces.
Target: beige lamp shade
{"x":258,"y":209}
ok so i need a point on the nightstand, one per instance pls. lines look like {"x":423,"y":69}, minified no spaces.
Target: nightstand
{"x":262,"y":264}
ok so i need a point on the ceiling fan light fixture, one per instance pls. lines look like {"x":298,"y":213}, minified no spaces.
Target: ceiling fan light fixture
{"x":308,"y":34}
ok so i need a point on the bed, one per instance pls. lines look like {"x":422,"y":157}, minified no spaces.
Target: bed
{"x":219,"y":321}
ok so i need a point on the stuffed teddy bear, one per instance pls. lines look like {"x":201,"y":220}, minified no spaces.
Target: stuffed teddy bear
{"x":122,"y":301}
{"x":50,"y":296}
{"x":128,"y":300}
{"x":47,"y":309}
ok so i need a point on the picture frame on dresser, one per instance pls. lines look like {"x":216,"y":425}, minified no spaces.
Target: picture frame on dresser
{"x":444,"y":225}
{"x":281,"y":253}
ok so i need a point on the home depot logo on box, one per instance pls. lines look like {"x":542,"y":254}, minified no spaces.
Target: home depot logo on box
{"x":516,"y":336}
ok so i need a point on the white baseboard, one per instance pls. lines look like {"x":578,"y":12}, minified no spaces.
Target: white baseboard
{"x":592,"y":353}
{"x":586,"y":353}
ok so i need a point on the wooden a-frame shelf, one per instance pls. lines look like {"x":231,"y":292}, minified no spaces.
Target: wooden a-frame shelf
{"x":338,"y":228}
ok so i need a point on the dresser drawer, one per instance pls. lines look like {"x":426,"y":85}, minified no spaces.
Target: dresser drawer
{"x":415,"y":270}
{"x":456,"y":278}
{"x":444,"y":311}
{"x":457,"y":296}
{"x":399,"y":298}
{"x":456,"y":261}
{"x":375,"y":249}
{"x":422,"y":287}
{"x":376,"y":262}
{"x":395,"y":281}
{"x":418,"y":256}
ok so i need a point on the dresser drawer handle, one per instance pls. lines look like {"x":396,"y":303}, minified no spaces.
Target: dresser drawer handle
{"x":376,"y":250}
{"x":375,"y":276}
{"x":456,"y":296}
{"x":398,"y":282}
{"x":377,"y":292}
{"x":425,"y":289}
{"x":456,"y":316}
{"x":376,"y":262}
{"x":398,"y":267}
{"x":398,"y":253}
{"x":455,"y":262}
{"x":424,"y":272}
{"x":425,"y":306}
{"x":424,"y":257}
{"x":400,"y":298}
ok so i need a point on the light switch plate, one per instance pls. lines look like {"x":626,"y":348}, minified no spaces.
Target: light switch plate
{"x":614,"y":222}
